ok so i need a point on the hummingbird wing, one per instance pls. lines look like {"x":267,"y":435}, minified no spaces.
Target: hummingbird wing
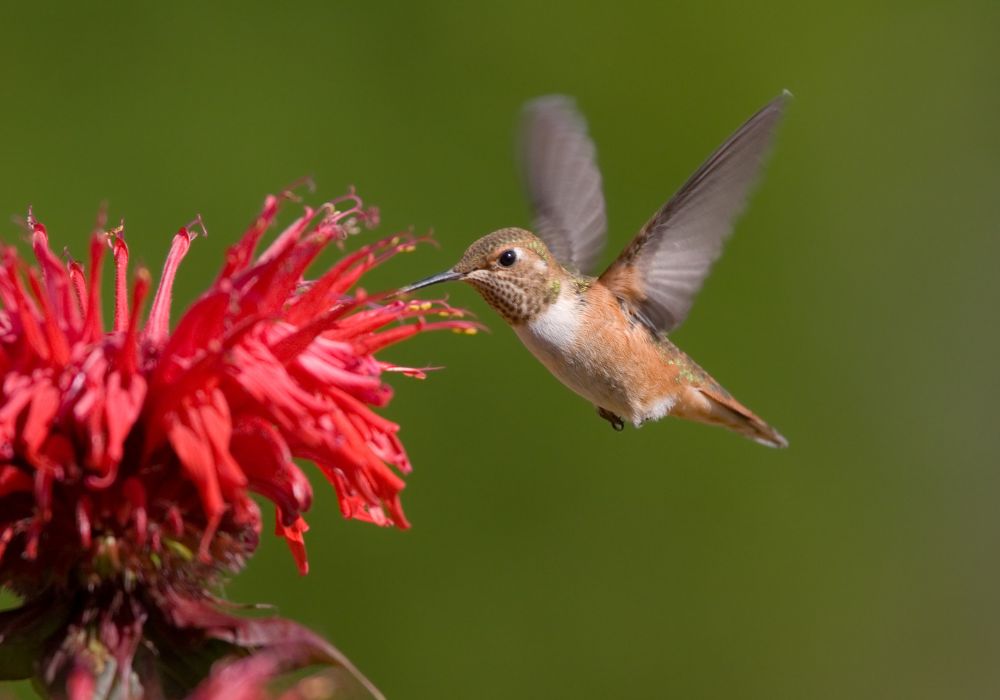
{"x":662,"y":269}
{"x":563,"y":182}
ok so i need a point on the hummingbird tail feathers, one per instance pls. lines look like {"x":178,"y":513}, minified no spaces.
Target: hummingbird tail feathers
{"x":728,"y":412}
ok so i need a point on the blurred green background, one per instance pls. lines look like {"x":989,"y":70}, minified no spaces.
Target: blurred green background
{"x":856,"y":309}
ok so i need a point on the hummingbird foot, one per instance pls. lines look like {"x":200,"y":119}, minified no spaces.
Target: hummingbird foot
{"x":616,"y":421}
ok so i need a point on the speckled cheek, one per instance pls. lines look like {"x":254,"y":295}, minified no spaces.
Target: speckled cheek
{"x":506,"y":298}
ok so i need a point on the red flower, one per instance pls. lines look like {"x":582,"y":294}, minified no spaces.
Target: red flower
{"x":127,"y":457}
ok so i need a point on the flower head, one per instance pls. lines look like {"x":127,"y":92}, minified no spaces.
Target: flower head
{"x":128,"y":455}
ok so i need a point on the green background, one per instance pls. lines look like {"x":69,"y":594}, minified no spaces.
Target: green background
{"x":856,"y":309}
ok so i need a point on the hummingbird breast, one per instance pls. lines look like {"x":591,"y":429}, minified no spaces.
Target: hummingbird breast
{"x":603,"y":354}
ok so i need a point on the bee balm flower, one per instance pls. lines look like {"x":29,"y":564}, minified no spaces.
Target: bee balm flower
{"x":128,"y":455}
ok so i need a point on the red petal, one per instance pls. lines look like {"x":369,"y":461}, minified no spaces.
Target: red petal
{"x":13,"y":480}
{"x":294,"y":536}
{"x":93,"y":324}
{"x":264,"y":456}
{"x":158,"y":323}
{"x":120,"y":249}
{"x":81,"y":683}
{"x":198,"y":463}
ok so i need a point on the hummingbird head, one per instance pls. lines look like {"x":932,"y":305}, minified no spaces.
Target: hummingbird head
{"x":511,"y":269}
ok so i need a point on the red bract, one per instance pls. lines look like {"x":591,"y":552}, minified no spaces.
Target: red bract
{"x":128,"y":456}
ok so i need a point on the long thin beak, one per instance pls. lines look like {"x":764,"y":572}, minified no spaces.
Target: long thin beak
{"x":446,"y":276}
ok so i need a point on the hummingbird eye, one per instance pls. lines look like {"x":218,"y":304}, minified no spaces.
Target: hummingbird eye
{"x":508,"y":258}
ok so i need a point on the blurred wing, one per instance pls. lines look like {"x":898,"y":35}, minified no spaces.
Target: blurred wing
{"x":662,"y":269}
{"x":563,"y":183}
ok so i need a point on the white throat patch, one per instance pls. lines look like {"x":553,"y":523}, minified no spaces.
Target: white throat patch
{"x":555,"y":328}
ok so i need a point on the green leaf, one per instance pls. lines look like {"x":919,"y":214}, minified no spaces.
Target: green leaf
{"x":24,"y":632}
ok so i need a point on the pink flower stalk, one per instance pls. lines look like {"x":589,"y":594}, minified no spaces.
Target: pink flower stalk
{"x":128,"y":456}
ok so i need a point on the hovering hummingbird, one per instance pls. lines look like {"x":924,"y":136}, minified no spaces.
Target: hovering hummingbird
{"x":605,"y":337}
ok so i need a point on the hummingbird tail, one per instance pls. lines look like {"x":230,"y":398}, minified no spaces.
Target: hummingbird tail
{"x":728,"y":412}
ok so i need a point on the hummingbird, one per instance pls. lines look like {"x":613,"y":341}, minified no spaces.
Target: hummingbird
{"x":605,"y":337}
